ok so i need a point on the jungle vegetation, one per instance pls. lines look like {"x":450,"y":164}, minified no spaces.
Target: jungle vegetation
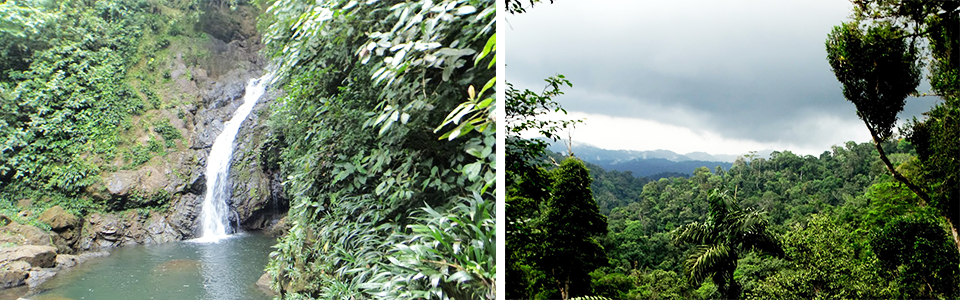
{"x":387,"y":136}
{"x":872,"y":220}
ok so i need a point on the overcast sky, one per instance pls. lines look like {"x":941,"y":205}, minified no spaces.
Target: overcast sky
{"x":722,"y":77}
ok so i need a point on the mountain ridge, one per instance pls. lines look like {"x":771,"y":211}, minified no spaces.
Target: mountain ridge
{"x":653,"y":164}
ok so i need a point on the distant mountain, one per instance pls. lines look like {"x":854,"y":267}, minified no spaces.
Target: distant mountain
{"x":594,"y":153}
{"x":656,"y":168}
{"x":653,"y":164}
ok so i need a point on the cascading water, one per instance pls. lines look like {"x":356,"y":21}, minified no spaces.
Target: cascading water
{"x":214,"y":215}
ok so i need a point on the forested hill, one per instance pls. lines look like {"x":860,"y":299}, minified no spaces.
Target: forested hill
{"x":835,"y":203}
{"x":842,"y":206}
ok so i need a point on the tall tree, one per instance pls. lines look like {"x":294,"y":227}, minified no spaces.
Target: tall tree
{"x":572,"y":226}
{"x":729,"y":232}
{"x":880,"y":68}
{"x":528,"y":184}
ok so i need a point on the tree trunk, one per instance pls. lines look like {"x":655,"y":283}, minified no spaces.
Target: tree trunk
{"x":565,"y":289}
{"x":953,"y":231}
{"x":924,"y":198}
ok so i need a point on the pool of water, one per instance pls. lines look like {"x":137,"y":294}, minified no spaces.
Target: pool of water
{"x":228,"y":269}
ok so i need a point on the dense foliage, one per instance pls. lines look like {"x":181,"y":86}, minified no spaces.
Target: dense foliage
{"x":387,"y":136}
{"x":826,"y":211}
{"x":72,"y":81}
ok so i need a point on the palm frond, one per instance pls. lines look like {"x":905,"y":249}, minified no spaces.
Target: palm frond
{"x":764,"y":242}
{"x":718,"y":205}
{"x":694,"y":233}
{"x":706,"y":261}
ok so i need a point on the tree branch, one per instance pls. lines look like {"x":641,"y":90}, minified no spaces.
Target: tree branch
{"x":924,"y":198}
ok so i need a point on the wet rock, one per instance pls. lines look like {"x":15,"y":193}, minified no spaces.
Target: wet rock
{"x":264,"y":283}
{"x":13,"y":274}
{"x":184,"y":212}
{"x":159,"y":231}
{"x":198,"y":182}
{"x":256,"y":197}
{"x":39,"y":275}
{"x":104,"y":231}
{"x":37,"y":256}
{"x":279,"y":228}
{"x":223,"y":93}
{"x":207,"y":128}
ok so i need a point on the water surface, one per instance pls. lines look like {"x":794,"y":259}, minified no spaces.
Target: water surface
{"x":228,"y":269}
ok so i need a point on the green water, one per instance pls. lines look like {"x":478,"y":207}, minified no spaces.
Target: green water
{"x":228,"y":269}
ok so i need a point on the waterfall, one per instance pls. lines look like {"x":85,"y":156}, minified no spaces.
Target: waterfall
{"x":214,"y":215}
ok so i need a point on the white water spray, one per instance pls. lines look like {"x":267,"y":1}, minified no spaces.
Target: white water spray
{"x":214,"y":215}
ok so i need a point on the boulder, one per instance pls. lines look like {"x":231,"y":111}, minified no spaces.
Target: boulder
{"x":37,"y":256}
{"x":65,"y":227}
{"x":59,"y":219}
{"x":38,"y":276}
{"x":13,"y":274}
{"x":264,"y":283}
{"x":66,"y":261}
{"x":121,"y":182}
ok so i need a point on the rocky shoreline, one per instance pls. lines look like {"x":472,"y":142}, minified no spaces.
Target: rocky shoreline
{"x":30,"y":255}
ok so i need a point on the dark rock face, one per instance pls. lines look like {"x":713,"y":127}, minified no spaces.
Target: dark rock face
{"x":103,"y":231}
{"x":228,"y":24}
{"x":256,"y":194}
{"x":184,"y":214}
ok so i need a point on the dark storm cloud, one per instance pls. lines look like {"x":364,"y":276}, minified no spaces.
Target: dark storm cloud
{"x":752,"y":70}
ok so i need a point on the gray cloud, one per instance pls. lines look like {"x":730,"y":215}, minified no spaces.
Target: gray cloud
{"x":753,"y":70}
